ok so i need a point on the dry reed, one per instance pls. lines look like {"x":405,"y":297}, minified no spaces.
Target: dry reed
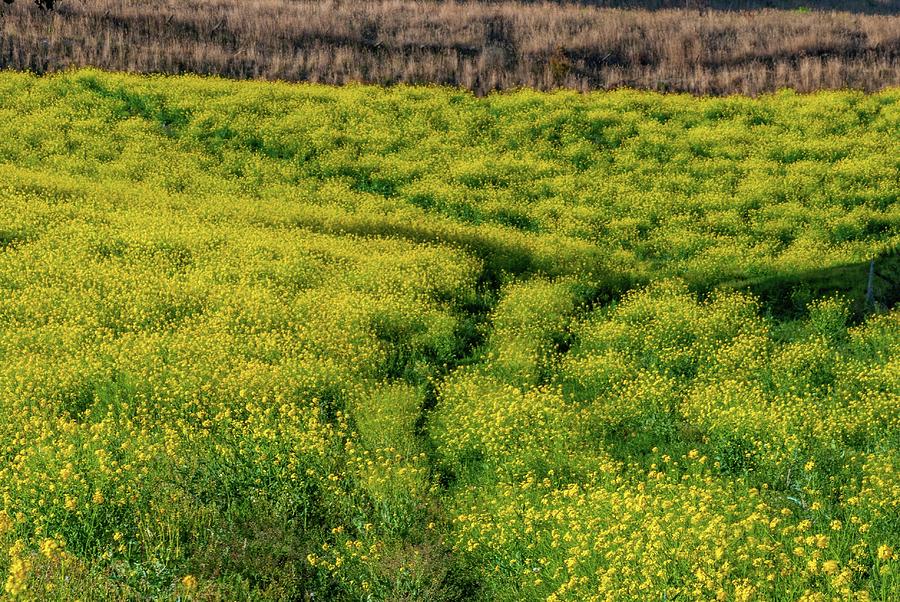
{"x":478,"y":45}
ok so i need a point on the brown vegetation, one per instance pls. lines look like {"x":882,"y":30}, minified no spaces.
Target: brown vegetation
{"x":479,"y":45}
{"x":856,"y":6}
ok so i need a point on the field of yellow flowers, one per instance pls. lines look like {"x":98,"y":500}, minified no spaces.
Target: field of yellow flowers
{"x":294,"y":342}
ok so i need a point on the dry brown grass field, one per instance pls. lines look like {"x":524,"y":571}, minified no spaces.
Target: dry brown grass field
{"x":482,"y":46}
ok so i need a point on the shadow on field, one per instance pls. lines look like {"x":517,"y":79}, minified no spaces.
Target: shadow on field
{"x":869,"y":286}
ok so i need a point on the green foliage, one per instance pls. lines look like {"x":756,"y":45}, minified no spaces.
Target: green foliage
{"x":270,"y":341}
{"x":668,"y":419}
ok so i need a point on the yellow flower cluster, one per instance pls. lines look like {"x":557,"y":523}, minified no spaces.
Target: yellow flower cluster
{"x":270,"y":341}
{"x":679,"y":449}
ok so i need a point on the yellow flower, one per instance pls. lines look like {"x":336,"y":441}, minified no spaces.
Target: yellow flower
{"x":885,"y":552}
{"x":49,"y":547}
{"x":189,"y":582}
{"x":744,"y":593}
{"x":5,"y":523}
{"x":17,"y":581}
{"x":829,"y":567}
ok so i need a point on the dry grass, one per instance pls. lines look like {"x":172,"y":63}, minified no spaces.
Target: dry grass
{"x":856,"y":6}
{"x":478,"y":45}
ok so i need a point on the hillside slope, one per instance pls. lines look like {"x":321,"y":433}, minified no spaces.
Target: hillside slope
{"x":272,"y":341}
